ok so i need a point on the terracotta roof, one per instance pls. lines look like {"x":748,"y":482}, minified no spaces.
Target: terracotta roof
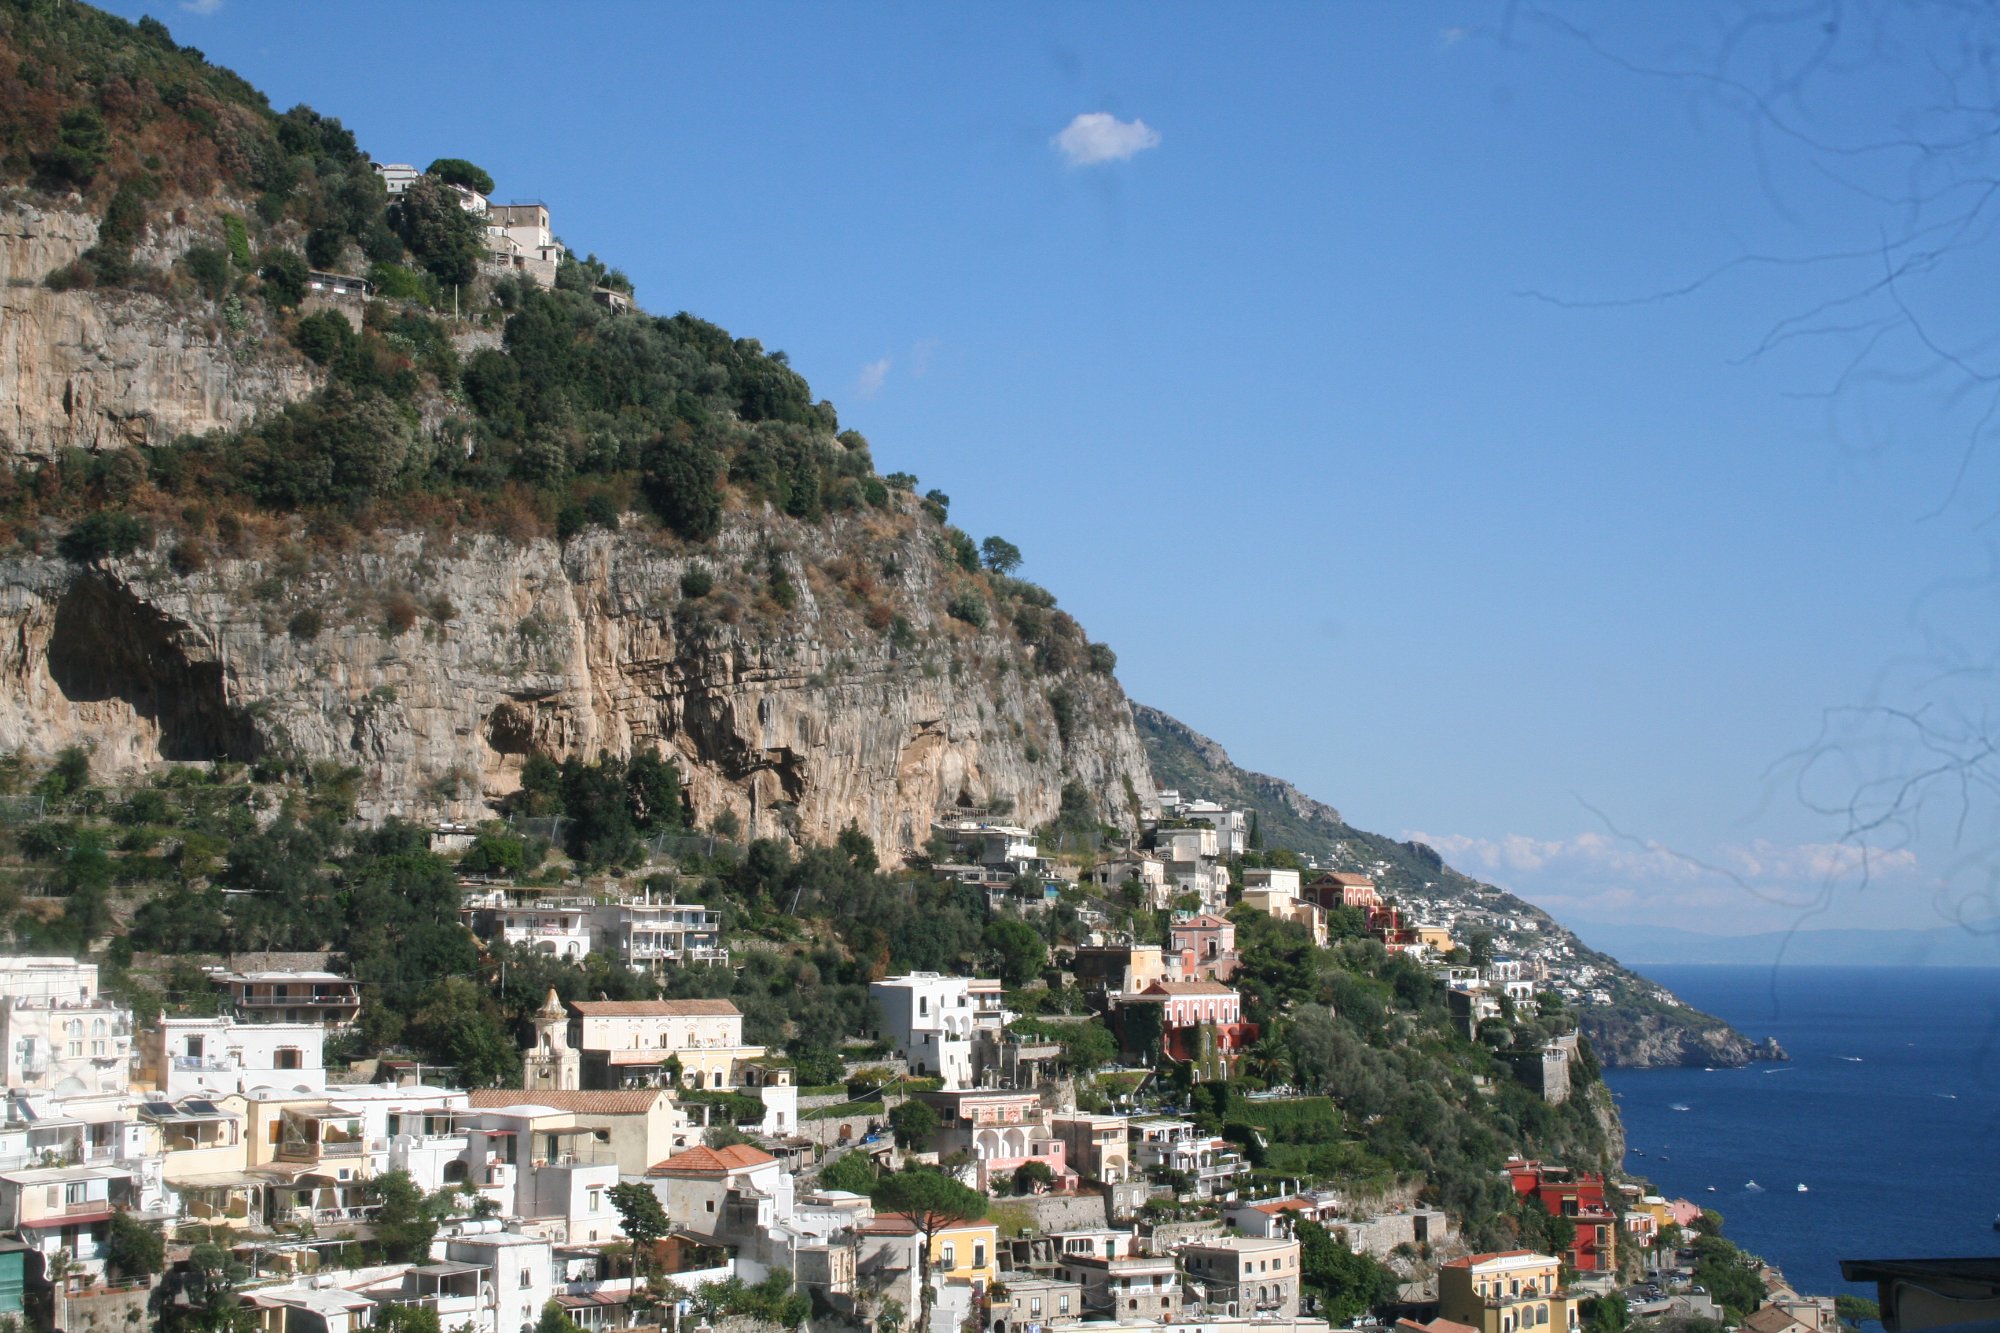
{"x":890,"y":1224}
{"x":588,"y":1103}
{"x":1347,"y":877}
{"x":1277,"y":1206}
{"x":1771,"y":1319}
{"x":1471,"y":1259}
{"x":655,"y":1008}
{"x":713,"y":1161}
{"x":1436,"y":1326}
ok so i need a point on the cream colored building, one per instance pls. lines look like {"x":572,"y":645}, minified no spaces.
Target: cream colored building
{"x":1513,"y":1291}
{"x":1245,"y":1275}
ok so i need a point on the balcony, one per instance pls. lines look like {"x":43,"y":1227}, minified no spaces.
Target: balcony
{"x":317,"y":1000}
{"x":212,"y":1064}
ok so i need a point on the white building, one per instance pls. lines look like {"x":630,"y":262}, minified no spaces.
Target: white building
{"x":1284,"y":883}
{"x":1232,"y":827}
{"x":519,"y":1272}
{"x":557,"y":924}
{"x":520,"y":241}
{"x":396,"y":176}
{"x":218,"y":1056}
{"x":1004,"y":847}
{"x":650,"y":935}
{"x":932,"y":1019}
{"x":58,"y":1033}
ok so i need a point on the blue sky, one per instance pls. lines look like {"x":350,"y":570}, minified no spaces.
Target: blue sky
{"x":1266,"y":395}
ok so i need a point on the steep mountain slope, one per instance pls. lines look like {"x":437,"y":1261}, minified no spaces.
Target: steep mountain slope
{"x":1643,"y":1024}
{"x":250,"y":514}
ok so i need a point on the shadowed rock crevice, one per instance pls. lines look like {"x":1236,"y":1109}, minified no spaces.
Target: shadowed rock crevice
{"x":106,"y":645}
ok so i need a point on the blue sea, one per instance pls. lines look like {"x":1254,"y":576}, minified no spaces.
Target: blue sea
{"x":1889,"y":1114}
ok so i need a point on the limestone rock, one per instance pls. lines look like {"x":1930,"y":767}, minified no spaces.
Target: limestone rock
{"x":97,"y":370}
{"x":437,"y":666}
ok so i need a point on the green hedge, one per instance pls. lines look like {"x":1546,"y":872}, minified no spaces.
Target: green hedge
{"x":844,"y":1111}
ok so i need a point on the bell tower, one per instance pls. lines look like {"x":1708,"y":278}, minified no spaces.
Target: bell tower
{"x":553,"y":1065}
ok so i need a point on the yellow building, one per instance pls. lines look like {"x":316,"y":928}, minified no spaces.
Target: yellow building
{"x":1435,"y":938}
{"x":968,"y":1252}
{"x":1516,"y":1291}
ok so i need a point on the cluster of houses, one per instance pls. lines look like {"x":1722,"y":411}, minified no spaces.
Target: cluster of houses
{"x":232,"y":1123}
{"x":519,"y":240}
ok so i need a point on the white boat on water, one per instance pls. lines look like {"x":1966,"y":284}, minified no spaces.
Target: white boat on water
{"x":1802,"y":1187}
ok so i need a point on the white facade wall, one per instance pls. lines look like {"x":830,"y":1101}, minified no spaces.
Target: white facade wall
{"x":661,"y":1032}
{"x":218,"y":1056}
{"x":522,"y":1278}
{"x":930,"y":1019}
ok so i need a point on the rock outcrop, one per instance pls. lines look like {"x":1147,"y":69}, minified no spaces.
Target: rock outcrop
{"x":96,"y":370}
{"x":1623,"y":1039}
{"x":438,"y":665}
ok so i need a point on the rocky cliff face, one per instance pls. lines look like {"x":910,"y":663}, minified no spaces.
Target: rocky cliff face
{"x":437,"y":665}
{"x":96,"y":370}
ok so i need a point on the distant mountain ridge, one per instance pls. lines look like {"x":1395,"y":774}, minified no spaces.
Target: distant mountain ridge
{"x":1184,"y":758}
{"x":1975,"y":944}
{"x":1643,"y":1025}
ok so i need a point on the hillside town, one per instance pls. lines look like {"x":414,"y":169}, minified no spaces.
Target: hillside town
{"x":480,"y":1040}
{"x":655,"y":1168}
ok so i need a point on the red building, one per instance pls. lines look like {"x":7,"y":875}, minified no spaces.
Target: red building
{"x":1580,"y":1197}
{"x":1197,"y":1019}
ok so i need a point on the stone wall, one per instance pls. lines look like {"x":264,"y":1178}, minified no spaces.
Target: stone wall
{"x":1167,"y":1236}
{"x":1063,"y":1212}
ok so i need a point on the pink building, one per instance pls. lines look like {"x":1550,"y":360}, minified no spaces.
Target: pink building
{"x":1209,"y":942}
{"x":1002,"y":1131}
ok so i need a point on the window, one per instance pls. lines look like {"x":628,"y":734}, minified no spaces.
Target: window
{"x":1062,"y":1305}
{"x":596,"y":1200}
{"x":1035,"y":1307}
{"x":979,"y":1255}
{"x":950,"y":1255}
{"x":711,"y":1206}
{"x":286,"y":1057}
{"x":527,"y":1280}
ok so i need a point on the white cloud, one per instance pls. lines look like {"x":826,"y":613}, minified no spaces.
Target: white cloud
{"x":1098,"y":136}
{"x":202,"y":7}
{"x":873,"y":376}
{"x":1606,"y":876}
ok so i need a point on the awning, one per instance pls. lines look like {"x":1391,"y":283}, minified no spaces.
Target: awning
{"x":62,"y":1175}
{"x":602,"y":1298}
{"x":447,"y":1268}
{"x":217,"y":1180}
{"x":290,"y":1171}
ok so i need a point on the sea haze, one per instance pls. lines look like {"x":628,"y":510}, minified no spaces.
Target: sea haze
{"x":1888,"y":1113}
{"x":1973,"y":944}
